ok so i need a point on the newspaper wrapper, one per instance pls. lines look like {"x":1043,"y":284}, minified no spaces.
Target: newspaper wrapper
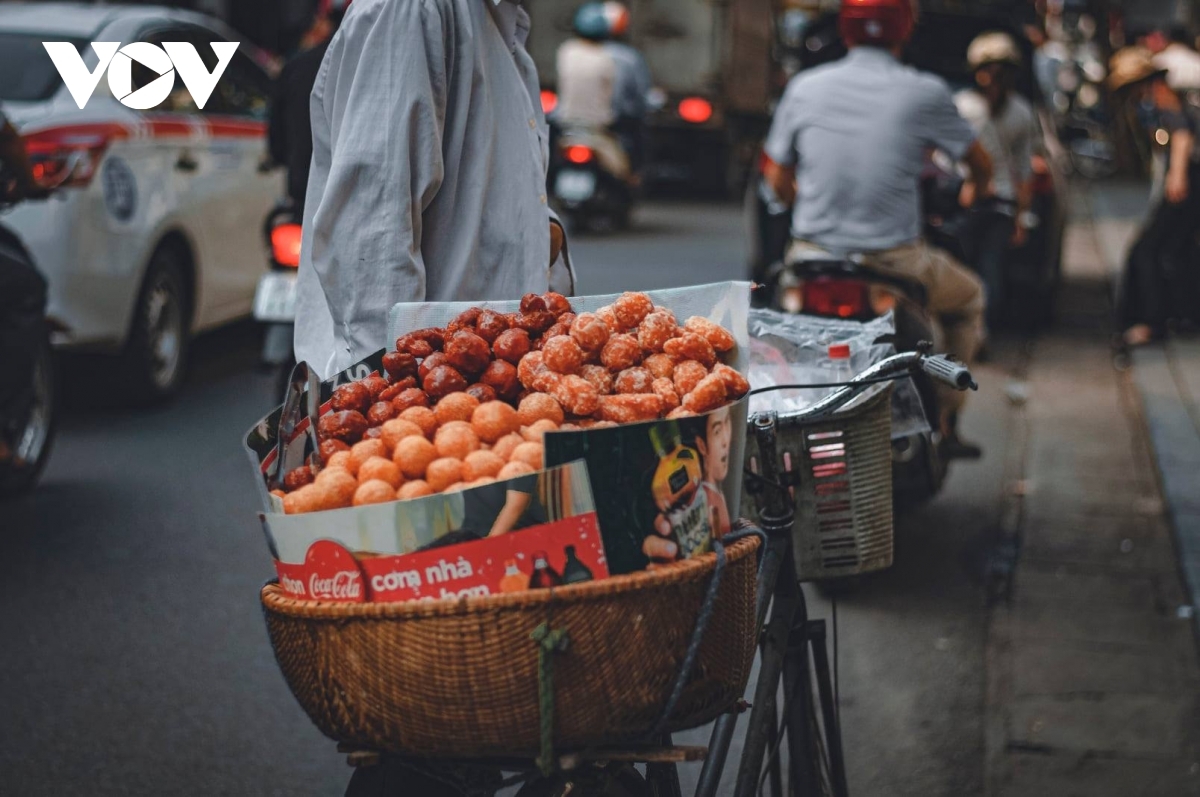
{"x":657,"y":482}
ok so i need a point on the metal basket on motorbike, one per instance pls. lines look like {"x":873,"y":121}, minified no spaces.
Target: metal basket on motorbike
{"x":839,"y":470}
{"x":461,"y":679}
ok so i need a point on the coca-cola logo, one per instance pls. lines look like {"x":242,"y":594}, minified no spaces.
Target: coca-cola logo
{"x":343,"y":586}
{"x":329,"y":573}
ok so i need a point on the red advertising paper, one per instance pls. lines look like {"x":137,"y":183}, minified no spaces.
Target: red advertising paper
{"x":329,"y":573}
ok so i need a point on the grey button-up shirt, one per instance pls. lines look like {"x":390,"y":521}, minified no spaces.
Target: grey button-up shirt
{"x":428,"y":171}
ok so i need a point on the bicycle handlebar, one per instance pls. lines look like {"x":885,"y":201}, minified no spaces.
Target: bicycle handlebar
{"x":951,"y":373}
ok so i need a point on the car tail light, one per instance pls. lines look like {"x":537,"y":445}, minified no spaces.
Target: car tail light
{"x":578,"y":154}
{"x":549,"y":101}
{"x":285,"y":244}
{"x":69,"y":156}
{"x":836,"y":298}
{"x":696,"y":110}
{"x":1043,"y":180}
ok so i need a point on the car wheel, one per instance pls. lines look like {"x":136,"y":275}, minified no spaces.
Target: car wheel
{"x":156,"y":355}
{"x":35,"y":435}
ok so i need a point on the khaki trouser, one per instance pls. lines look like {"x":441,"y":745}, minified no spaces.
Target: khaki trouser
{"x":956,"y":296}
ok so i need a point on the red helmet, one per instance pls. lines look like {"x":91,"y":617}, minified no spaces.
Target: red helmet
{"x":883,"y":23}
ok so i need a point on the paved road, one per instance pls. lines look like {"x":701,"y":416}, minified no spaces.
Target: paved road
{"x":135,"y":660}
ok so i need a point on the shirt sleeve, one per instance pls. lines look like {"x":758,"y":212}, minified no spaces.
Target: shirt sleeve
{"x":939,"y":122}
{"x":783,"y":139}
{"x":1023,"y":151}
{"x":378,"y":110}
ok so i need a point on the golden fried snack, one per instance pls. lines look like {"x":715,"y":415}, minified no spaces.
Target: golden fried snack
{"x":514,"y":469}
{"x":481,"y":481}
{"x":363,"y":451}
{"x":655,"y":330}
{"x":562,"y":355}
{"x":347,"y":426}
{"x":380,"y":413}
{"x":455,"y":440}
{"x":483,"y":393}
{"x":480,"y":464}
{"x":340,"y":460}
{"x":504,"y":447}
{"x":330,"y":447}
{"x":622,"y":351}
{"x":691,"y":346}
{"x":304,"y":500}
{"x":609,"y":316}
{"x":375,"y":491}
{"x":375,"y":385}
{"x":455,"y":407}
{"x":535,"y":432}
{"x":297,"y":478}
{"x":665,"y":390}
{"x":443,"y":472}
{"x":630,"y":308}
{"x":629,"y":408}
{"x":444,"y":380}
{"x":687,"y":375}
{"x":413,"y":455}
{"x":338,"y":487}
{"x":397,"y":429}
{"x":590,"y":332}
{"x":556,"y":303}
{"x":561,"y":327}
{"x":736,"y":385}
{"x":423,"y":417}
{"x":634,"y":380}
{"x":378,"y":468}
{"x":468,"y":352}
{"x":680,"y":412}
{"x":599,"y":376}
{"x":494,"y":420}
{"x":531,"y":454}
{"x":539,"y":406}
{"x":512,"y":345}
{"x":490,"y":325}
{"x":720,"y":338}
{"x":576,"y":395}
{"x":418,"y":488}
{"x":529,"y":368}
{"x":501,"y":377}
{"x":661,"y":365}
{"x":707,"y":396}
{"x":592,"y":423}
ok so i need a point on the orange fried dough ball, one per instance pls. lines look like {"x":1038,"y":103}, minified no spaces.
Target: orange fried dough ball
{"x":413,"y":455}
{"x":455,"y":440}
{"x":375,"y":491}
{"x":539,"y":406}
{"x":494,"y":420}
{"x":455,"y":407}
{"x":444,"y":472}
{"x":380,"y":469}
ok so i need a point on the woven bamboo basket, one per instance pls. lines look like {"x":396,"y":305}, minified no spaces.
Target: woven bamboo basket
{"x":460,"y":679}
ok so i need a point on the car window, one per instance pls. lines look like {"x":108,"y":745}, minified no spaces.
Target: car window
{"x":180,"y":100}
{"x":244,"y":90}
{"x":26,"y":72}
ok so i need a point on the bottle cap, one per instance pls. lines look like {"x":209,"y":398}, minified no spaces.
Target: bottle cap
{"x":839,"y":351}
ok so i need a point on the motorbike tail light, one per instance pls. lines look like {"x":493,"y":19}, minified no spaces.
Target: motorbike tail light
{"x":285,"y":245}
{"x":696,"y":110}
{"x":66,"y":157}
{"x":549,"y":101}
{"x":1043,"y":180}
{"x":836,"y":298}
{"x":578,"y":154}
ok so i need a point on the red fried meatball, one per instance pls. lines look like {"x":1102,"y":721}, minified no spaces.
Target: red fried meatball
{"x":562,"y":355}
{"x":512,"y":345}
{"x":348,"y":426}
{"x":501,"y":377}
{"x":490,"y":325}
{"x":621,"y":352}
{"x":444,"y":380}
{"x":353,"y":396}
{"x":468,"y":352}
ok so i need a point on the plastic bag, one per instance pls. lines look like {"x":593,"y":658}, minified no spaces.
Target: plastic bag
{"x":787,"y":349}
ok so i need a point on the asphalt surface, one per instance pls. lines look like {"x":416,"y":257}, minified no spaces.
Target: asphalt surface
{"x":134,"y":660}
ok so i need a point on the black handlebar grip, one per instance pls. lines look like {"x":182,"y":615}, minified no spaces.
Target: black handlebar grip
{"x":953,"y":374}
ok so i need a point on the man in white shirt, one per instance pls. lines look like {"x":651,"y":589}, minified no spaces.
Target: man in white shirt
{"x":587,"y":73}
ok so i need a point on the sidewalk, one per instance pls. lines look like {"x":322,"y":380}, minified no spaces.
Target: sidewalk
{"x":1093,"y":678}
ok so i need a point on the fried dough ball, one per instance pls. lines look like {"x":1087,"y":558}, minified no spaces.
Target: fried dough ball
{"x":304,"y":500}
{"x":455,"y":440}
{"x":535,"y":432}
{"x":561,"y":328}
{"x":556,"y":303}
{"x":443,"y":472}
{"x":531,"y":454}
{"x":429,"y":363}
{"x":655,"y":330}
{"x":512,"y":345}
{"x":467,"y":319}
{"x":680,"y":412}
{"x":629,"y":408}
{"x":536,"y":322}
{"x":482,"y":393}
{"x":330,"y":447}
{"x":539,"y":406}
{"x":363,"y":451}
{"x":661,"y":365}
{"x":665,"y":390}
{"x":455,"y":407}
{"x":423,"y":417}
{"x":609,"y":317}
{"x":631,"y":308}
{"x":398,"y":387}
{"x":413,"y":455}
{"x":444,"y":380}
{"x":600,"y":377}
{"x":562,"y":355}
{"x":412,"y":397}
{"x":297,"y":478}
{"x":399,"y":364}
{"x":691,"y":346}
{"x":687,"y":375}
{"x":590,"y":332}
{"x":375,"y":385}
{"x":481,"y":481}
{"x":380,"y":413}
{"x":347,"y":426}
{"x":532,"y":303}
{"x":340,"y":460}
{"x":494,"y":420}
{"x":414,"y":489}
{"x":501,"y":377}
{"x":576,"y":395}
{"x":634,"y":380}
{"x":534,"y":374}
{"x":397,"y":429}
{"x":707,"y":396}
{"x":410,"y":346}
{"x":720,"y":338}
{"x":622,"y":351}
{"x":490,"y":325}
{"x":480,"y":464}
{"x":505,"y":446}
{"x":380,"y":469}
{"x":337,"y":487}
{"x":375,"y":491}
{"x":514,"y":469}
{"x":736,"y":385}
{"x":468,"y":352}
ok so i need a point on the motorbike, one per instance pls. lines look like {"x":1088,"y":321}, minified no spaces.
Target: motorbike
{"x":275,"y":298}
{"x":590,"y":179}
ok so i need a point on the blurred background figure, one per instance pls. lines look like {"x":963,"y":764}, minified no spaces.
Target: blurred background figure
{"x":587,"y":72}
{"x":290,"y":128}
{"x":632,"y":85}
{"x":1164,"y":253}
{"x":1174,"y":53}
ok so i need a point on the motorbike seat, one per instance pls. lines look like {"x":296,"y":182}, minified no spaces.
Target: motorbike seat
{"x":852,"y":267}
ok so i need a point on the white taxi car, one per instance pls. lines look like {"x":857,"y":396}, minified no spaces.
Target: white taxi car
{"x":156,"y":233}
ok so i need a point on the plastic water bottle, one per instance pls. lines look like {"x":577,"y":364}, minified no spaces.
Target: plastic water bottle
{"x":840,"y":367}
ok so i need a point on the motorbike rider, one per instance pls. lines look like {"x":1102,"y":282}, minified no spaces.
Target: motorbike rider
{"x":1004,"y":123}
{"x":289,"y":129}
{"x":848,"y":143}
{"x":632,"y":84}
{"x":22,"y":293}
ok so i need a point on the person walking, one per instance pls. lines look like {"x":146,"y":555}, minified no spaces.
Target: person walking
{"x":848,"y":143}
{"x":428,"y":178}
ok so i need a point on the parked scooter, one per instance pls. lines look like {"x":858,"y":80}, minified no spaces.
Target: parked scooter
{"x":590,"y":179}
{"x":275,"y":299}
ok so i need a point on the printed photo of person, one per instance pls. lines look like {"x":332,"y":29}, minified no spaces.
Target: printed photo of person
{"x":715,"y":448}
{"x":495,"y":509}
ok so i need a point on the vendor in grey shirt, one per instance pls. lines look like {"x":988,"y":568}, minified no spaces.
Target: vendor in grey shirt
{"x":428,"y":172}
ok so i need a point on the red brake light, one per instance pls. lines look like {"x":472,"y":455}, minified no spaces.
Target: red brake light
{"x":285,"y":244}
{"x":69,"y":156}
{"x":549,"y":101}
{"x":696,"y":110}
{"x":578,"y":154}
{"x":836,"y":298}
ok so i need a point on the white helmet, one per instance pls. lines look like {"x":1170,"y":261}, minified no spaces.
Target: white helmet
{"x":995,"y":47}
